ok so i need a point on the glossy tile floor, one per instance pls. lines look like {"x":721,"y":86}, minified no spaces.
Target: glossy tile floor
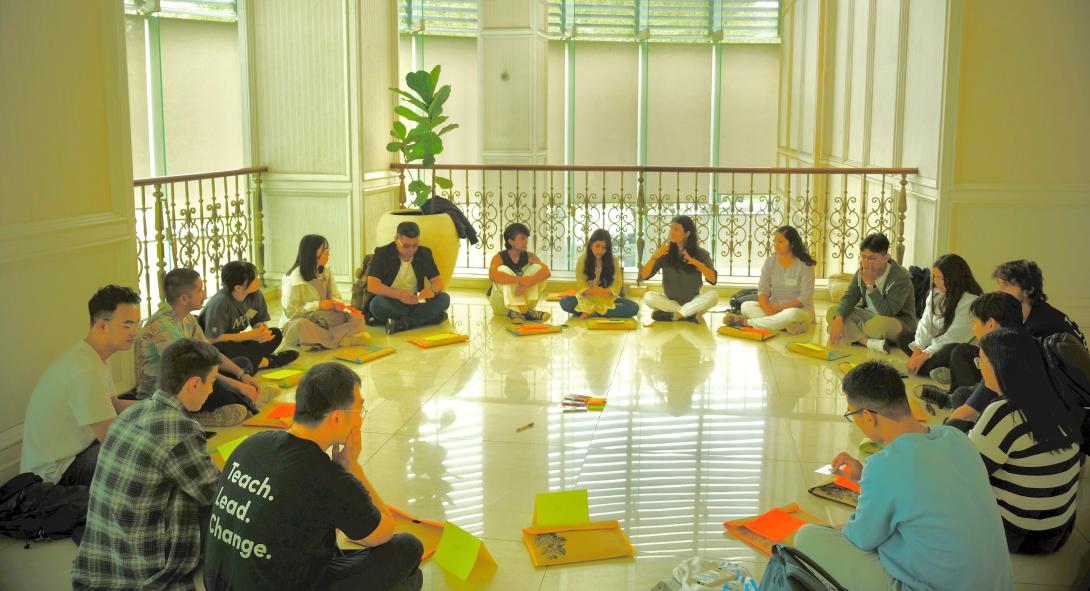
{"x":698,"y":429}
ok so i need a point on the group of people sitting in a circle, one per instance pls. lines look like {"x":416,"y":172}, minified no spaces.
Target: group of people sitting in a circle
{"x":936,"y":504}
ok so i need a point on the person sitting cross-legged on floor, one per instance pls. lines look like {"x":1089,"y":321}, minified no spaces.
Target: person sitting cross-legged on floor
{"x":151,"y":493}
{"x":518,"y":278}
{"x":314,"y":313}
{"x":987,"y":313}
{"x":598,"y":282}
{"x":1029,"y":441}
{"x":924,"y":519}
{"x":74,"y":402}
{"x":405,"y":283}
{"x":945,"y":323}
{"x":785,"y":299}
{"x":879,"y":306}
{"x":235,"y":394}
{"x":282,"y":500}
{"x":685,"y":267}
{"x":236,"y":319}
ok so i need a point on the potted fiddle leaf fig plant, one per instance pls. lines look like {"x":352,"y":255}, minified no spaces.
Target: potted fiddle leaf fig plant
{"x":424,"y":141}
{"x":422,"y":106}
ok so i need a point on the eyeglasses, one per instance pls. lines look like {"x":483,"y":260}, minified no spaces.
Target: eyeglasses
{"x":848,"y":415}
{"x":128,"y":324}
{"x":978,"y":362}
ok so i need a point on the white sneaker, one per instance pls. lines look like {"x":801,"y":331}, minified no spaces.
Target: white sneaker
{"x":227,"y":415}
{"x":941,"y":375}
{"x":877,"y":345}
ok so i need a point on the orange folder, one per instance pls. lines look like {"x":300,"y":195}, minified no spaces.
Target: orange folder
{"x":279,"y":417}
{"x":438,"y":340}
{"x":746,"y":332}
{"x":737,"y":528}
{"x":521,"y":330}
{"x":562,"y":544}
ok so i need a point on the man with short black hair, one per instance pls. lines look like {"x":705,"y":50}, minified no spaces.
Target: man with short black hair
{"x":153,"y":483}
{"x":236,"y":391}
{"x":280,"y":501}
{"x":405,"y":283}
{"x":925,"y":519}
{"x":1024,"y":280}
{"x":879,"y":306}
{"x":75,"y":402}
{"x":239,"y":305}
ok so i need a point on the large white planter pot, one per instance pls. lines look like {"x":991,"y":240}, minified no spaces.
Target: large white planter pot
{"x":838,"y":284}
{"x":436,"y":232}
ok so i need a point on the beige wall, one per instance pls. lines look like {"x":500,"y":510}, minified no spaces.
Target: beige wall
{"x":1016,"y":149}
{"x":67,"y":198}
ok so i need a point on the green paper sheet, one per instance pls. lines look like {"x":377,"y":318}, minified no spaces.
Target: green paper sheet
{"x":458,"y":550}
{"x":566,"y":507}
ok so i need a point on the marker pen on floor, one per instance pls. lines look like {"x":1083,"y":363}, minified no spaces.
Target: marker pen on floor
{"x":524,"y":427}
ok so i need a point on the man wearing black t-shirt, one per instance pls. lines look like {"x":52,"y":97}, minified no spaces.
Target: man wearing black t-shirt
{"x":406,"y":289}
{"x":280,"y":500}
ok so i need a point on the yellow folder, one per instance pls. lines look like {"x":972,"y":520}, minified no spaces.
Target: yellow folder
{"x":611,"y":324}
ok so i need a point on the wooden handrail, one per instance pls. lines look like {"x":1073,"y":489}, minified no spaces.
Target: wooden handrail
{"x":200,"y":176}
{"x":686,"y":169}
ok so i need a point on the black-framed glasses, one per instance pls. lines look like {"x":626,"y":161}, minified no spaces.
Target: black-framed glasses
{"x":362,"y":411}
{"x":848,"y":415}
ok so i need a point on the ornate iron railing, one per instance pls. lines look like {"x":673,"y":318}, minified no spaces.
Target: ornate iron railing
{"x":199,"y":221}
{"x":736,"y":210}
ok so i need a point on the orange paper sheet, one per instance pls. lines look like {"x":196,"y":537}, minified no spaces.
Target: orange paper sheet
{"x":848,"y":484}
{"x":775,"y":525}
{"x":285,"y":410}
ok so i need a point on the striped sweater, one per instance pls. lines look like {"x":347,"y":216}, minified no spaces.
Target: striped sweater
{"x":1035,"y":490}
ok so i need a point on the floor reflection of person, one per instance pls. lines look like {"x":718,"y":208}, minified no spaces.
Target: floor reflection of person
{"x":676,"y":363}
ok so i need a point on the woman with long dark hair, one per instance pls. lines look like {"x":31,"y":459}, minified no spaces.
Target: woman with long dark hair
{"x":785,"y":292}
{"x":598,"y":282}
{"x":685,"y":267}
{"x":946,"y":320}
{"x":1029,"y":440}
{"x":314,"y":313}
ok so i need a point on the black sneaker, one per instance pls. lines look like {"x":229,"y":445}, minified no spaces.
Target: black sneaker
{"x":282,"y":358}
{"x":394,"y":325}
{"x":692,"y":319}
{"x":660,"y":316}
{"x":536,"y":316}
{"x":934,"y":395}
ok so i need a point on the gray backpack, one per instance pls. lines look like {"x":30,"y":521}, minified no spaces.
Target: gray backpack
{"x":791,"y":570}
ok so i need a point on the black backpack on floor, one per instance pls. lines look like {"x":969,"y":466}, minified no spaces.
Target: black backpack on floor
{"x":743,"y":295}
{"x":32,"y":510}
{"x":921,"y":285}
{"x":791,"y":570}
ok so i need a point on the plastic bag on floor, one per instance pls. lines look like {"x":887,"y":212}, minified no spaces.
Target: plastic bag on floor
{"x":708,"y":574}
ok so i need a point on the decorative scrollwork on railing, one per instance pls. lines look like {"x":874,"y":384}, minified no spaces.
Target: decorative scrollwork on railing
{"x":562,"y":205}
{"x":201,"y":233}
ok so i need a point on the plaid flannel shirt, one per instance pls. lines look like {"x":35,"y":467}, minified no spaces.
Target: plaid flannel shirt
{"x":152,"y":487}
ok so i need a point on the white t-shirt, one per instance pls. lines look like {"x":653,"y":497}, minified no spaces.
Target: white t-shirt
{"x":73,"y":393}
{"x":406,"y":277}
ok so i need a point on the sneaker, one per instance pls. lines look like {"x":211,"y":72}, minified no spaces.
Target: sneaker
{"x":282,"y":358}
{"x":266,"y":392}
{"x":798,"y":328}
{"x":515,"y":317}
{"x":394,"y":325}
{"x":734,"y":320}
{"x":227,"y":415}
{"x":660,"y":316}
{"x":695,"y":319}
{"x":933,"y":395}
{"x":537,"y":316}
{"x":941,"y":375}
{"x":877,"y":345}
{"x":960,"y":396}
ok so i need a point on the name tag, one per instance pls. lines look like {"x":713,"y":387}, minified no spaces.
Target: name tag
{"x":791,"y":281}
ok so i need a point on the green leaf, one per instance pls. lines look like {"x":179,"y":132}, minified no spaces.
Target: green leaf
{"x":411,"y":99}
{"x":428,"y":161}
{"x":433,"y":77}
{"x":408,"y":113}
{"x":430,"y":143}
{"x":436,"y":106}
{"x":420,"y":82}
{"x":394,"y":147}
{"x":399,"y":130}
{"x":437,"y":121}
{"x":443,"y":182}
{"x":421,"y":130}
{"x":418,"y":186}
{"x":450,"y":127}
